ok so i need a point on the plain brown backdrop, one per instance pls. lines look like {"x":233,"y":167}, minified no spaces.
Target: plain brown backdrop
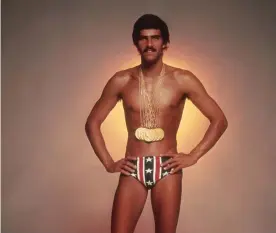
{"x":56,"y":58}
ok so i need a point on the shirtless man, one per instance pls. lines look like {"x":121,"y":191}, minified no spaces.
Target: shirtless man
{"x":151,"y":38}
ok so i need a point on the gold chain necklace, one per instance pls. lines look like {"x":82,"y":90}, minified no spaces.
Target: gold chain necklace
{"x":150,"y":110}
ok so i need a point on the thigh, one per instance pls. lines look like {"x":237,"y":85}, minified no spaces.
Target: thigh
{"x":129,"y":201}
{"x":166,"y":199}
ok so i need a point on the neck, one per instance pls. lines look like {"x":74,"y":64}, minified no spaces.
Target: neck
{"x":152,"y":70}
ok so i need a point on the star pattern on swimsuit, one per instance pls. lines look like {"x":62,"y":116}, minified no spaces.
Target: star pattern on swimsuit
{"x":165,"y":173}
{"x":149,"y":183}
{"x":148,"y":159}
{"x":148,"y":170}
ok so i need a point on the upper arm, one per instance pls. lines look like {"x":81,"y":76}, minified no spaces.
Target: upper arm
{"x":196,"y":92}
{"x":108,"y":99}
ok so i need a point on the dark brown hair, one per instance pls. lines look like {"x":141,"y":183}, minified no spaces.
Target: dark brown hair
{"x":150,"y":21}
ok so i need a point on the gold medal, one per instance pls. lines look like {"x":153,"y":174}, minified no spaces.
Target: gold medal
{"x":137,"y":133}
{"x":149,"y":135}
{"x":160,"y":133}
{"x":143,"y":134}
{"x":149,"y":112}
{"x":154,"y":135}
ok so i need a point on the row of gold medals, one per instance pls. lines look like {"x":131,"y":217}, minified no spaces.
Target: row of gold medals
{"x":149,"y":111}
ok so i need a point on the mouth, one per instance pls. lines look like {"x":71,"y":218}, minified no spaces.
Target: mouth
{"x":149,"y":51}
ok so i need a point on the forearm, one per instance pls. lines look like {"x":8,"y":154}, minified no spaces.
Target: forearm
{"x":95,"y":137}
{"x":212,"y":135}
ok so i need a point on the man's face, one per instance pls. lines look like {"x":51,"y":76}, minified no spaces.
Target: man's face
{"x":150,"y":45}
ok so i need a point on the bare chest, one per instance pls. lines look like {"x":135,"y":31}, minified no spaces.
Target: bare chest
{"x":168,"y":95}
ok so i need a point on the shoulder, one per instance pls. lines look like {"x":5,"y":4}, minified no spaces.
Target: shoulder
{"x":178,"y":73}
{"x":183,"y":76}
{"x":186,"y":79}
{"x":125,"y":75}
{"x":120,"y":78}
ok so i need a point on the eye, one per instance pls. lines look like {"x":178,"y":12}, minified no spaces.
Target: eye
{"x":142,"y":38}
{"x":156,"y":37}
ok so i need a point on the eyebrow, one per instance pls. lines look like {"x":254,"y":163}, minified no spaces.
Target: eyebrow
{"x":152,"y":36}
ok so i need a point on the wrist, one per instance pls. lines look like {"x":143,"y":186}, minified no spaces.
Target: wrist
{"x":195,"y":155}
{"x":108,"y":165}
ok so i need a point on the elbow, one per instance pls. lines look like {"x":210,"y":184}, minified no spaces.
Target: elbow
{"x":220,"y":123}
{"x":87,"y":127}
{"x":223,"y":123}
{"x":91,"y":125}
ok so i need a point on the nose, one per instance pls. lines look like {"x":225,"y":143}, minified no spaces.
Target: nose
{"x":149,"y":44}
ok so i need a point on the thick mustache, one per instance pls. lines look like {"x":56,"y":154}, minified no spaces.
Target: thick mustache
{"x":149,"y":48}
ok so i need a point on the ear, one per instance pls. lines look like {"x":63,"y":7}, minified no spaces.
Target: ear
{"x":165,"y":46}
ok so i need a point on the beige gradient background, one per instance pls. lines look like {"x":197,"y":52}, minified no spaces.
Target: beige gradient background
{"x":57,"y":57}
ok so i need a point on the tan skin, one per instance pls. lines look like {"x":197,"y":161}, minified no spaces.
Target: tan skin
{"x":177,"y":86}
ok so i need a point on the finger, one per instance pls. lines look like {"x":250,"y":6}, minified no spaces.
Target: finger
{"x":165,"y":163}
{"x":175,"y":170}
{"x":169,"y":161}
{"x":126,"y":168}
{"x":125,"y":172}
{"x":131,"y":158}
{"x":130,"y":164}
{"x":171,"y":165}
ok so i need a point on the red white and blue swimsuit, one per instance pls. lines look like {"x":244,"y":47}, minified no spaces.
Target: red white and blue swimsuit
{"x":149,"y":171}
